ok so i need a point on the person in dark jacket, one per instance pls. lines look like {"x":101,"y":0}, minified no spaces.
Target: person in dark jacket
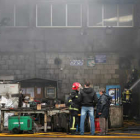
{"x":88,"y":100}
{"x":74,"y":105}
{"x":103,"y":110}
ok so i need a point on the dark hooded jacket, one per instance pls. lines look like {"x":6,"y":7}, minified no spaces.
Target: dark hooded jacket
{"x":88,"y":97}
{"x":103,"y":105}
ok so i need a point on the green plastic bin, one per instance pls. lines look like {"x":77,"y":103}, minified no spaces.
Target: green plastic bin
{"x":26,"y":124}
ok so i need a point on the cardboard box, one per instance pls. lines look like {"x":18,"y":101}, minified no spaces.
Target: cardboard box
{"x":60,"y":105}
{"x":38,"y":106}
{"x":31,"y":99}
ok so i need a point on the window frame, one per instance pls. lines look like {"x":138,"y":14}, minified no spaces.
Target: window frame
{"x":66,"y":22}
{"x":132,"y":17}
{"x":13,"y":12}
{"x":81,"y":17}
{"x":16,"y":20}
{"x":14,"y":24}
{"x":46,"y":95}
{"x":66,"y":18}
{"x":117,"y":18}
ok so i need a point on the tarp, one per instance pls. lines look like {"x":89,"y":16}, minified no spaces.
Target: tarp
{"x":9,"y":103}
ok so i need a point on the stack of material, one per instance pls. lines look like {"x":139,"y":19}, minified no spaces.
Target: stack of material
{"x":9,"y":103}
{"x":9,"y":96}
{"x":60,"y":105}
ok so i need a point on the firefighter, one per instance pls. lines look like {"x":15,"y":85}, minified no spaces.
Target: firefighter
{"x":74,"y":105}
{"x":127,"y":103}
{"x":127,"y":96}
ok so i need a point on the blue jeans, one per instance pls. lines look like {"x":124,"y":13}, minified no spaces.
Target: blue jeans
{"x":84,"y":111}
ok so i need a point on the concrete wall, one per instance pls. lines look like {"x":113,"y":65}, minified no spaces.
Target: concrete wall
{"x":42,"y":65}
{"x":30,"y":52}
{"x":84,"y":39}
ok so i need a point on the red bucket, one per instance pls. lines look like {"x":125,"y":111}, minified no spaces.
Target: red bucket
{"x":97,"y":125}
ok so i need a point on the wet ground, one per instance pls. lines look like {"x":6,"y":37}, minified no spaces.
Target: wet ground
{"x":130,"y":130}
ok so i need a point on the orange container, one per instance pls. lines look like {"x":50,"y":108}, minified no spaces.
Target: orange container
{"x":97,"y":124}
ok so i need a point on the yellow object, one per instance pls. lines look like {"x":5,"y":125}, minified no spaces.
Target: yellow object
{"x":126,"y":96}
{"x":128,"y":93}
{"x":47,"y":135}
{"x":70,"y":108}
{"x":15,"y":113}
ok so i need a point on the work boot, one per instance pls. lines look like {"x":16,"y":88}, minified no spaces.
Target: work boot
{"x":73,"y":132}
{"x":102,"y":134}
{"x":77,"y":133}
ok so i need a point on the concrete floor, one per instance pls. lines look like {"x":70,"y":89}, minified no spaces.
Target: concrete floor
{"x":131,"y":130}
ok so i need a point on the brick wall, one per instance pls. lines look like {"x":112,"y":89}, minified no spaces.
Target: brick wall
{"x":35,"y":65}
